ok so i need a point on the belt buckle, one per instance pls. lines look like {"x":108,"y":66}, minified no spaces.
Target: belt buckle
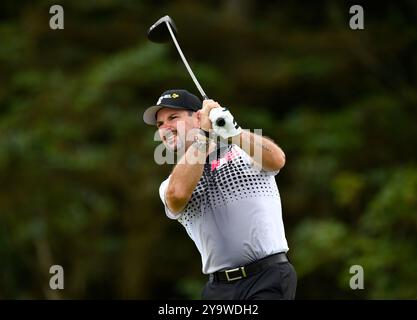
{"x":242,"y":269}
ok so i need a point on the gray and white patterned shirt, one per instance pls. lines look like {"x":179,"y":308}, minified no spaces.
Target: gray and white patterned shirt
{"x":234,"y":214}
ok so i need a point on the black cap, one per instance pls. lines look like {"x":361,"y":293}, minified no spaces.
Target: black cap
{"x":177,"y":99}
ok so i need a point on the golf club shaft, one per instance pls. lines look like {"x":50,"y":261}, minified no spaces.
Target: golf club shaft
{"x":197,"y":84}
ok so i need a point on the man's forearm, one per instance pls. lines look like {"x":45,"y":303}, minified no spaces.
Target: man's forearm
{"x":185,"y":177}
{"x":263,"y":151}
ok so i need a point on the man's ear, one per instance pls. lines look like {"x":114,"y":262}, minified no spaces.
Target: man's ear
{"x":198,"y":116}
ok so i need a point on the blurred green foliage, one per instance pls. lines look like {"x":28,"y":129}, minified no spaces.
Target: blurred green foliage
{"x":79,"y":186}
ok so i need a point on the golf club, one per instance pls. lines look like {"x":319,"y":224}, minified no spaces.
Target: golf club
{"x":161,"y":31}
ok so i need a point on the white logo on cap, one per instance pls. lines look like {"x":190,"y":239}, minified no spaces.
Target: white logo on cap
{"x":174,"y":95}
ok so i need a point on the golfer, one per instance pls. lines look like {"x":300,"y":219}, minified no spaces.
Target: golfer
{"x":226,"y":197}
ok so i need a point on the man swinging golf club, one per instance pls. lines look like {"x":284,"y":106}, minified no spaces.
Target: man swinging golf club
{"x":226,"y":198}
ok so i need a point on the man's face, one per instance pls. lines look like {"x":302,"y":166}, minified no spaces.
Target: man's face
{"x":174,"y":125}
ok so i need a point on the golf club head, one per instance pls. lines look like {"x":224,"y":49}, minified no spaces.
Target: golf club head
{"x":159,"y":32}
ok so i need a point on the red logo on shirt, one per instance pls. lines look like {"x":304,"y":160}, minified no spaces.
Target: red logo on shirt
{"x":232,"y":154}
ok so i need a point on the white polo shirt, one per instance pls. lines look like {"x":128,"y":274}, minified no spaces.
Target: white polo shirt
{"x":234,"y":214}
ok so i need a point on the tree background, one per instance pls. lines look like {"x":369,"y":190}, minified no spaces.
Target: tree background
{"x":78,"y":183}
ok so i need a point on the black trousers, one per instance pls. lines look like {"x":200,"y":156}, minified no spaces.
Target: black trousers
{"x":277,"y":282}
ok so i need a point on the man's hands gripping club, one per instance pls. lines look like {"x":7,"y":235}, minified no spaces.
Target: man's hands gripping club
{"x":208,"y":116}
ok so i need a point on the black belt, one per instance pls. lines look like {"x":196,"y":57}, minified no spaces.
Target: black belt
{"x":249,"y":269}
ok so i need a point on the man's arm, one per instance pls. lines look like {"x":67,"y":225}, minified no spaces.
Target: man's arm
{"x":264,"y":152}
{"x":184,"y":179}
{"x":186,"y":174}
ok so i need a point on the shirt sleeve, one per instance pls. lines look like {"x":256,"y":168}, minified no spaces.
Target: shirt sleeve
{"x":162,"y":190}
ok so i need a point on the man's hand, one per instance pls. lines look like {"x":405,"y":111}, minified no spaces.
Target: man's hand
{"x":203,"y":114}
{"x":229,"y":129}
